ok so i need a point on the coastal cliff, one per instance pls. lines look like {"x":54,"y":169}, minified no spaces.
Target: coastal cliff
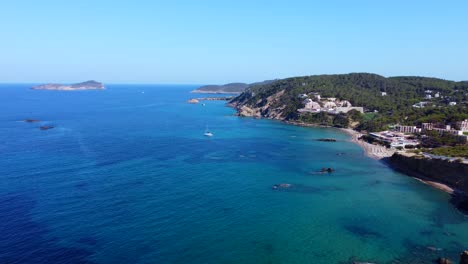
{"x":269,"y":107}
{"x":88,"y":85}
{"x":451,"y":173}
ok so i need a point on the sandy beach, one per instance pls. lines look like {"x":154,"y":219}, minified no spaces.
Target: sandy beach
{"x":373,"y":151}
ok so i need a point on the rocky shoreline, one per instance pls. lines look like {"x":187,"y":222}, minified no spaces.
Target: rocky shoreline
{"x":373,"y":151}
{"x":214,"y":92}
{"x":445,"y":175}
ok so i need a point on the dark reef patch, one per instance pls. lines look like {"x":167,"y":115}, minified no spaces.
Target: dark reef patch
{"x":24,"y":241}
{"x":300,"y":188}
{"x":82,"y":186}
{"x":426,"y":254}
{"x":362,"y":231}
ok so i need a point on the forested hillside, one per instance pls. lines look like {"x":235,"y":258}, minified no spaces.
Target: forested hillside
{"x":364,"y":89}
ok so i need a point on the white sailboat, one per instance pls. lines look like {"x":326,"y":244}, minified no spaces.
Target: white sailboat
{"x":208,"y":133}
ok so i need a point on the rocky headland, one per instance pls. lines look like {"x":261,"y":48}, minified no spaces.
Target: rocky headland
{"x":452,"y":173}
{"x":448,"y":175}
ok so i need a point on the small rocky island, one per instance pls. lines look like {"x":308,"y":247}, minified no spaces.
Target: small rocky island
{"x":88,"y":85}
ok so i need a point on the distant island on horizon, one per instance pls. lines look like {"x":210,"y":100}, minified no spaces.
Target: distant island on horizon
{"x":88,"y":85}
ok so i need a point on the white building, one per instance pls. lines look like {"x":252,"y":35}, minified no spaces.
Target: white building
{"x":310,"y":106}
{"x":428,"y":96}
{"x":452,"y":103}
{"x":427,"y":126}
{"x":384,"y":94}
{"x":463,"y":125}
{"x":345,"y":103}
{"x":420,"y":104}
{"x":449,"y":131}
{"x":347,"y":109}
{"x":329,"y":105}
{"x":408,"y":129}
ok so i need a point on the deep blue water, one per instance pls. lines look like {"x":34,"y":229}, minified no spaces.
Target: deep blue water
{"x":128,"y":177}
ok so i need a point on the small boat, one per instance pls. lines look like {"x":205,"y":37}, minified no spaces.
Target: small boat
{"x":208,"y":134}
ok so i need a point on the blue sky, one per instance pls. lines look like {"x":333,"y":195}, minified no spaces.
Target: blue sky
{"x":204,"y":42}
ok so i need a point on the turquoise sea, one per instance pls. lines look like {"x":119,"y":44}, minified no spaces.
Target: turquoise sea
{"x":126,"y":176}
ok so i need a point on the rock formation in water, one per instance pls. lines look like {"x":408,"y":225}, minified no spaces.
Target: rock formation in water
{"x":46,"y":127}
{"x":464,"y":257}
{"x":31,"y":120}
{"x":444,"y":261}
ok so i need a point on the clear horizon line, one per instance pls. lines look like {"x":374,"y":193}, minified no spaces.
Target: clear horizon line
{"x":221,"y":83}
{"x":105,"y":83}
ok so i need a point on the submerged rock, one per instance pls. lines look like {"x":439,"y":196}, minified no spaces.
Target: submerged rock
{"x":444,"y":261}
{"x":31,"y":120}
{"x":463,"y":204}
{"x":282,"y":186}
{"x":327,"y":170}
{"x":362,"y":232}
{"x":46,"y":127}
{"x":434,"y":248}
{"x":327,"y":139}
{"x":464,"y":257}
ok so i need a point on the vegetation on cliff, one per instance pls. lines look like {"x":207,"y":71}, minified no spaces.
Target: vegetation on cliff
{"x":361,"y":89}
{"x":456,"y":151}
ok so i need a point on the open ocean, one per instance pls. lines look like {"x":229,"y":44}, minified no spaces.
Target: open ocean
{"x":126,"y":176}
